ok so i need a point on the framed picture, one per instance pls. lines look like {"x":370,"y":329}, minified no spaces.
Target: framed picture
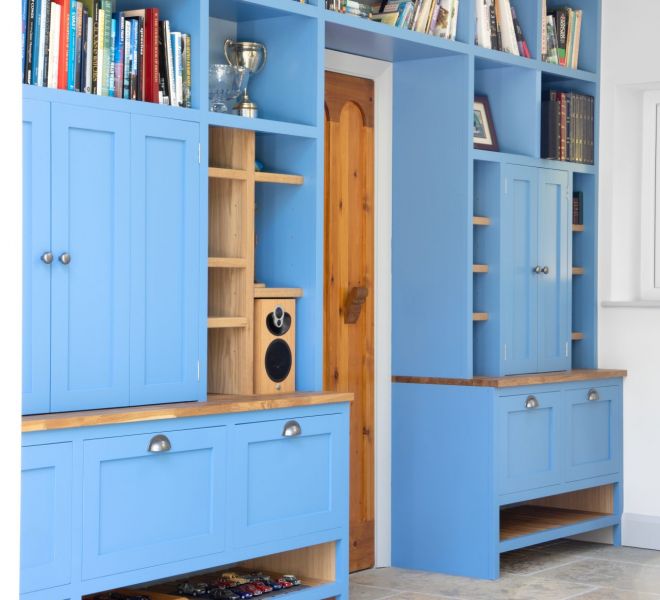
{"x":484,"y":129}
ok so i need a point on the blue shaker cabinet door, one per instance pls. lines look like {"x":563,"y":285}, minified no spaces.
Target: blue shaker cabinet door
{"x":555,"y":279}
{"x":90,"y":224}
{"x":519,"y":259}
{"x":36,"y":270}
{"x":145,"y":507}
{"x":593,"y":444}
{"x":46,"y":496}
{"x":165,"y":267}
{"x":288,"y":478}
{"x":528,"y":441}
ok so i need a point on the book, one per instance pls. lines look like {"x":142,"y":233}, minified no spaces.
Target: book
{"x":113,"y":50}
{"x":133,"y":85}
{"x":578,"y":215}
{"x":45,"y":36}
{"x":54,"y":45}
{"x":178,"y":66}
{"x":71,"y":57}
{"x":523,"y":49}
{"x":83,"y":49}
{"x":163,"y":86}
{"x":29,"y":37}
{"x":128,"y":53}
{"x":78,"y":45}
{"x":187,"y":80}
{"x":505,"y":24}
{"x":99,"y":41}
{"x":544,"y":30}
{"x":106,"y":5}
{"x":482,"y":11}
{"x":119,"y":56}
{"x":37,"y":68}
{"x":551,"y":56}
{"x":443,"y":20}
{"x":576,"y":43}
{"x":561,"y":32}
{"x":567,"y":127}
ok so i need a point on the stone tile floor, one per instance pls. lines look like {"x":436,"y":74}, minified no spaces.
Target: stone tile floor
{"x":555,"y":571}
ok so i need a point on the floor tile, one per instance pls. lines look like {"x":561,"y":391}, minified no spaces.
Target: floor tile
{"x":363,"y":592}
{"x":612,"y":594}
{"x":606,"y":573}
{"x":604,"y":551}
{"x":526,"y":562}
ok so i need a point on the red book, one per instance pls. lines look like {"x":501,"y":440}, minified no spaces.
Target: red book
{"x":149,"y":59}
{"x":63,"y":62}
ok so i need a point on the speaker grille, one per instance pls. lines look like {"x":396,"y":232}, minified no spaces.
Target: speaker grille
{"x":278,"y":360}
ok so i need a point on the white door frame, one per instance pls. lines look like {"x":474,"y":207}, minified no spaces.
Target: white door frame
{"x":381,"y":73}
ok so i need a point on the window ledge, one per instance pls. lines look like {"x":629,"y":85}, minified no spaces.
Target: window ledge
{"x":630,"y":304}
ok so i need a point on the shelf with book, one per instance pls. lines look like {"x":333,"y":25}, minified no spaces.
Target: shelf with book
{"x":263,"y":125}
{"x":508,"y":26}
{"x":519,"y":159}
{"x":288,"y":87}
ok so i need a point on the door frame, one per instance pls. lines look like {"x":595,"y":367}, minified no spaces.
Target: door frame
{"x":381,"y":74}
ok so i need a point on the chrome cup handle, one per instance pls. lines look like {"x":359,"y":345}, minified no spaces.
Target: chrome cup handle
{"x":263,"y":64}
{"x":228,"y":43}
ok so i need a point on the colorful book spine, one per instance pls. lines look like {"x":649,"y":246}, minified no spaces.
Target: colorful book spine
{"x":113,"y":50}
{"x":106,"y":5}
{"x":134,"y":59}
{"x":89,"y":54}
{"x":38,"y":23}
{"x":71,"y":66}
{"x":95,"y":47}
{"x":29,"y":41}
{"x":79,"y":28}
{"x":45,"y":34}
{"x":100,"y":42}
{"x":119,"y":56}
{"x":54,"y":50}
{"x":128,"y":49}
{"x":24,"y":11}
{"x":187,"y":85}
{"x":178,"y":66}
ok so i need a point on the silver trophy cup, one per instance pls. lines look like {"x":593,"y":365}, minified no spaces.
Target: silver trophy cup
{"x":252,"y":56}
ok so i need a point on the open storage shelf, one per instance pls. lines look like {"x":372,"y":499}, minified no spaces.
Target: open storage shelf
{"x":525,"y":519}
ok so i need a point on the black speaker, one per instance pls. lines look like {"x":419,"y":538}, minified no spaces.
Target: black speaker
{"x":274,"y":345}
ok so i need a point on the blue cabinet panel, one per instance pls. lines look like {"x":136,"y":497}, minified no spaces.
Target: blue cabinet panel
{"x":527,"y":441}
{"x":46,"y":497}
{"x":146,"y":508}
{"x":165,"y":266}
{"x":593,"y":432}
{"x":519,"y":258}
{"x":554,"y":293}
{"x":90,"y":296}
{"x":36,"y":242}
{"x":287,"y":485}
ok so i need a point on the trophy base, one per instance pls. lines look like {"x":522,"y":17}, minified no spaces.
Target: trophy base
{"x":247,"y":109}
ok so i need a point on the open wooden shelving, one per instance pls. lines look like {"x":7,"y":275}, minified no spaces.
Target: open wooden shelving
{"x":480,"y":316}
{"x":479,"y":268}
{"x":266,"y":292}
{"x":526,"y":519}
{"x":227,"y":263}
{"x":578,"y":270}
{"x":257,"y":176}
{"x":481,"y":221}
{"x":227,"y":322}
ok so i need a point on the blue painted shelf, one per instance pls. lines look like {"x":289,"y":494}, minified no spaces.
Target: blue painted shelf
{"x":519,"y":159}
{"x":263,"y":125}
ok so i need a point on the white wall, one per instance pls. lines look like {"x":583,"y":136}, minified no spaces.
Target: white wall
{"x":629,"y":331}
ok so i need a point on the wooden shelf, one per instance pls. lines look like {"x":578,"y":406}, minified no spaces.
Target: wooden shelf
{"x":578,"y":270}
{"x":266,"y":292}
{"x":482,"y":221}
{"x":480,"y":316}
{"x":577,"y":336}
{"x":578,"y":228}
{"x":217,"y":262}
{"x":221,"y":173}
{"x":480,"y":268}
{"x":526,"y":520}
{"x":263,"y":177}
{"x":227,"y":322}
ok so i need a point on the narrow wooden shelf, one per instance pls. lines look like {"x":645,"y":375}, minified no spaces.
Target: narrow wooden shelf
{"x":480,"y":316}
{"x":578,"y":270}
{"x":578,"y":228}
{"x":526,"y":519}
{"x":221,"y":173}
{"x":217,"y":262}
{"x":577,"y":336}
{"x":266,"y":292}
{"x":227,"y":322}
{"x":480,"y":268}
{"x":264,"y":177}
{"x":482,"y":221}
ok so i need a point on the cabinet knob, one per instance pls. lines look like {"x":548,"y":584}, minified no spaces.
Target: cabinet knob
{"x":531,"y":402}
{"x":546,"y":270}
{"x":47,"y":257}
{"x":159,"y":443}
{"x":593,"y":395}
{"x":291,"y":429}
{"x":537,"y":269}
{"x":65,"y":258}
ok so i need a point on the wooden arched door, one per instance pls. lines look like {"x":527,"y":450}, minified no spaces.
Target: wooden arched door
{"x":349,"y":286}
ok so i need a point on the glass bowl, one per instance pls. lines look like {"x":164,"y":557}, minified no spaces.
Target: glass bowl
{"x":226,"y":84}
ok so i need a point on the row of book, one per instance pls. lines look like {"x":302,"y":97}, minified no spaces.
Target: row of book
{"x":578,"y":212}
{"x":498,"y":28}
{"x":560,"y":36}
{"x":85,"y":47}
{"x":567,"y":128}
{"x":433,"y":17}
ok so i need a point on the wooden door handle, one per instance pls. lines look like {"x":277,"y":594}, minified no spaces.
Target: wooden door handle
{"x":354,"y":301}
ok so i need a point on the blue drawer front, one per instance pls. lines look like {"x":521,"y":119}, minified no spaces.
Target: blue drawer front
{"x":287,"y":486}
{"x":593,"y":447}
{"x":143,"y":509}
{"x":46,"y":496}
{"x":526,"y":442}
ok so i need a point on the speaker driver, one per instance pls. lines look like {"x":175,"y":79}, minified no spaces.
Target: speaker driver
{"x":278,"y":361}
{"x":278,"y":323}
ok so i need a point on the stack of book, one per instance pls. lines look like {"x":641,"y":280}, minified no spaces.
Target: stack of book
{"x":567,"y":128}
{"x":85,"y":47}
{"x":433,"y":17}
{"x":498,"y":28}
{"x":560,"y":37}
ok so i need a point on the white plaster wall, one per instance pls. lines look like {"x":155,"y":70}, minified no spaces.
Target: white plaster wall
{"x":629,"y":331}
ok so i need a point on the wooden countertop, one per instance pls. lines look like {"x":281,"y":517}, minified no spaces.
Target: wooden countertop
{"x":518,"y":380}
{"x":216,"y":405}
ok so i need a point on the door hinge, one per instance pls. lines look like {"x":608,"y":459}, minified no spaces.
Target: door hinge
{"x":199,"y":154}
{"x":504,"y":351}
{"x":199,"y":370}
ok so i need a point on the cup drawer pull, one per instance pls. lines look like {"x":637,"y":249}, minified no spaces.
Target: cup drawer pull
{"x":291,"y":429}
{"x":531,"y":402}
{"x":593,"y":395}
{"x":159,"y":443}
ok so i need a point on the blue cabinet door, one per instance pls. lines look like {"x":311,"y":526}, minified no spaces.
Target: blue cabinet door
{"x":554,"y":292}
{"x":288,"y":478}
{"x":91,"y":224}
{"x":144,"y":508}
{"x":36,"y":271}
{"x":46,"y":496}
{"x":519,"y":258}
{"x":593,"y":443}
{"x":165,"y":267}
{"x":527,"y":441}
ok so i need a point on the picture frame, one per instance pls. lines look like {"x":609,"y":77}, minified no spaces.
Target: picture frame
{"x":484,"y":135}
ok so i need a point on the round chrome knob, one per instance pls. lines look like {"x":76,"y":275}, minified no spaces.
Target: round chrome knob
{"x":65,"y":258}
{"x":531,"y":402}
{"x":47,"y":257}
{"x":545,"y":270}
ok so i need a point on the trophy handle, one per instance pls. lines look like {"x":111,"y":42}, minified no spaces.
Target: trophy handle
{"x":228,"y":43}
{"x":263,"y":64}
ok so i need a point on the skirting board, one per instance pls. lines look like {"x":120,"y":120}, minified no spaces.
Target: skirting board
{"x":640,"y":531}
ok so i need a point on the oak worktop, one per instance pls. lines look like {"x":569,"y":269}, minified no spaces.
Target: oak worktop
{"x":215,"y":405}
{"x":518,"y":380}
